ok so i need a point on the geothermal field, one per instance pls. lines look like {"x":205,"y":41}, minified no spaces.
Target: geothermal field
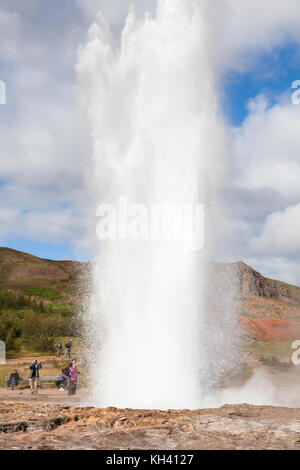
{"x":165,"y":168}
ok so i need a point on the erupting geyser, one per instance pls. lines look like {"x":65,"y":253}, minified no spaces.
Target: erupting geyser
{"x":157,"y":142}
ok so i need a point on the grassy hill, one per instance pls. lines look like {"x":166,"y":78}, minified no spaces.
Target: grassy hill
{"x":40,"y":298}
{"x":66,"y":282}
{"x":51,"y":281}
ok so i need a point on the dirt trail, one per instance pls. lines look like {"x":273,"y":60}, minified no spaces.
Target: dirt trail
{"x":44,"y":396}
{"x":27,"y":360}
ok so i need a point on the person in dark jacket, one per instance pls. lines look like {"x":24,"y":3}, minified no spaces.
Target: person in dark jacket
{"x":68,"y":347}
{"x":13,"y":380}
{"x":59,"y":348}
{"x":34,"y":375}
{"x":67,"y":369}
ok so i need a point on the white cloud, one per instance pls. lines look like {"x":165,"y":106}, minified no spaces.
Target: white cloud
{"x":10,"y":30}
{"x":280,"y":235}
{"x":275,"y":267}
{"x":42,"y":136}
{"x":115,"y":12}
{"x":50,"y":226}
{"x":266,"y":191}
{"x":266,"y":148}
{"x":257,"y":26}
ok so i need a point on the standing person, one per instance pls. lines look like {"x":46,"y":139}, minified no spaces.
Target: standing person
{"x":73,"y":376}
{"x":13,"y":380}
{"x":34,"y":375}
{"x":59,"y":348}
{"x":68,"y":347}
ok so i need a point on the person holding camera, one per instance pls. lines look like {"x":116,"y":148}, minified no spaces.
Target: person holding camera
{"x":34,"y":375}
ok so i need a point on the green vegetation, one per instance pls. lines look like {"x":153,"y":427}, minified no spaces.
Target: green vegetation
{"x":26,"y":324}
{"x":25,"y":351}
{"x":38,"y":302}
{"x":268,"y":349}
{"x":65,"y":309}
{"x":34,"y":332}
{"x":9,"y":299}
{"x":69,"y":289}
{"x":44,"y":293}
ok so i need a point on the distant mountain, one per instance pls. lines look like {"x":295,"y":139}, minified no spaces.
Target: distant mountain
{"x":252,"y":284}
{"x":257,"y":298}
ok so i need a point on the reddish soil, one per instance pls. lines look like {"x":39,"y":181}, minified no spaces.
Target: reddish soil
{"x":270,"y":329}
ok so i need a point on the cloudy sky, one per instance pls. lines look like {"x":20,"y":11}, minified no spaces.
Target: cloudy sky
{"x":43,"y":137}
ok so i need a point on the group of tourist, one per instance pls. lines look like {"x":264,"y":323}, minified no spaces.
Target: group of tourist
{"x":66,"y":379}
{"x":68,"y":347}
{"x":34,"y":375}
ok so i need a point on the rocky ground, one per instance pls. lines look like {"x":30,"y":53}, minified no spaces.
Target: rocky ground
{"x":26,"y":425}
{"x":52,"y":420}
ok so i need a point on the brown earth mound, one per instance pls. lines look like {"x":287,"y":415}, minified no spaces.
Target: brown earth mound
{"x":16,"y":267}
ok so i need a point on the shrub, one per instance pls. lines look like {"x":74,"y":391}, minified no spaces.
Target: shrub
{"x":39,"y":332}
{"x":43,"y":343}
{"x":11,"y":340}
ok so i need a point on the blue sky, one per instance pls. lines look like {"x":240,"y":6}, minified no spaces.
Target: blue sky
{"x":273,"y":76}
{"x":43,"y":137}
